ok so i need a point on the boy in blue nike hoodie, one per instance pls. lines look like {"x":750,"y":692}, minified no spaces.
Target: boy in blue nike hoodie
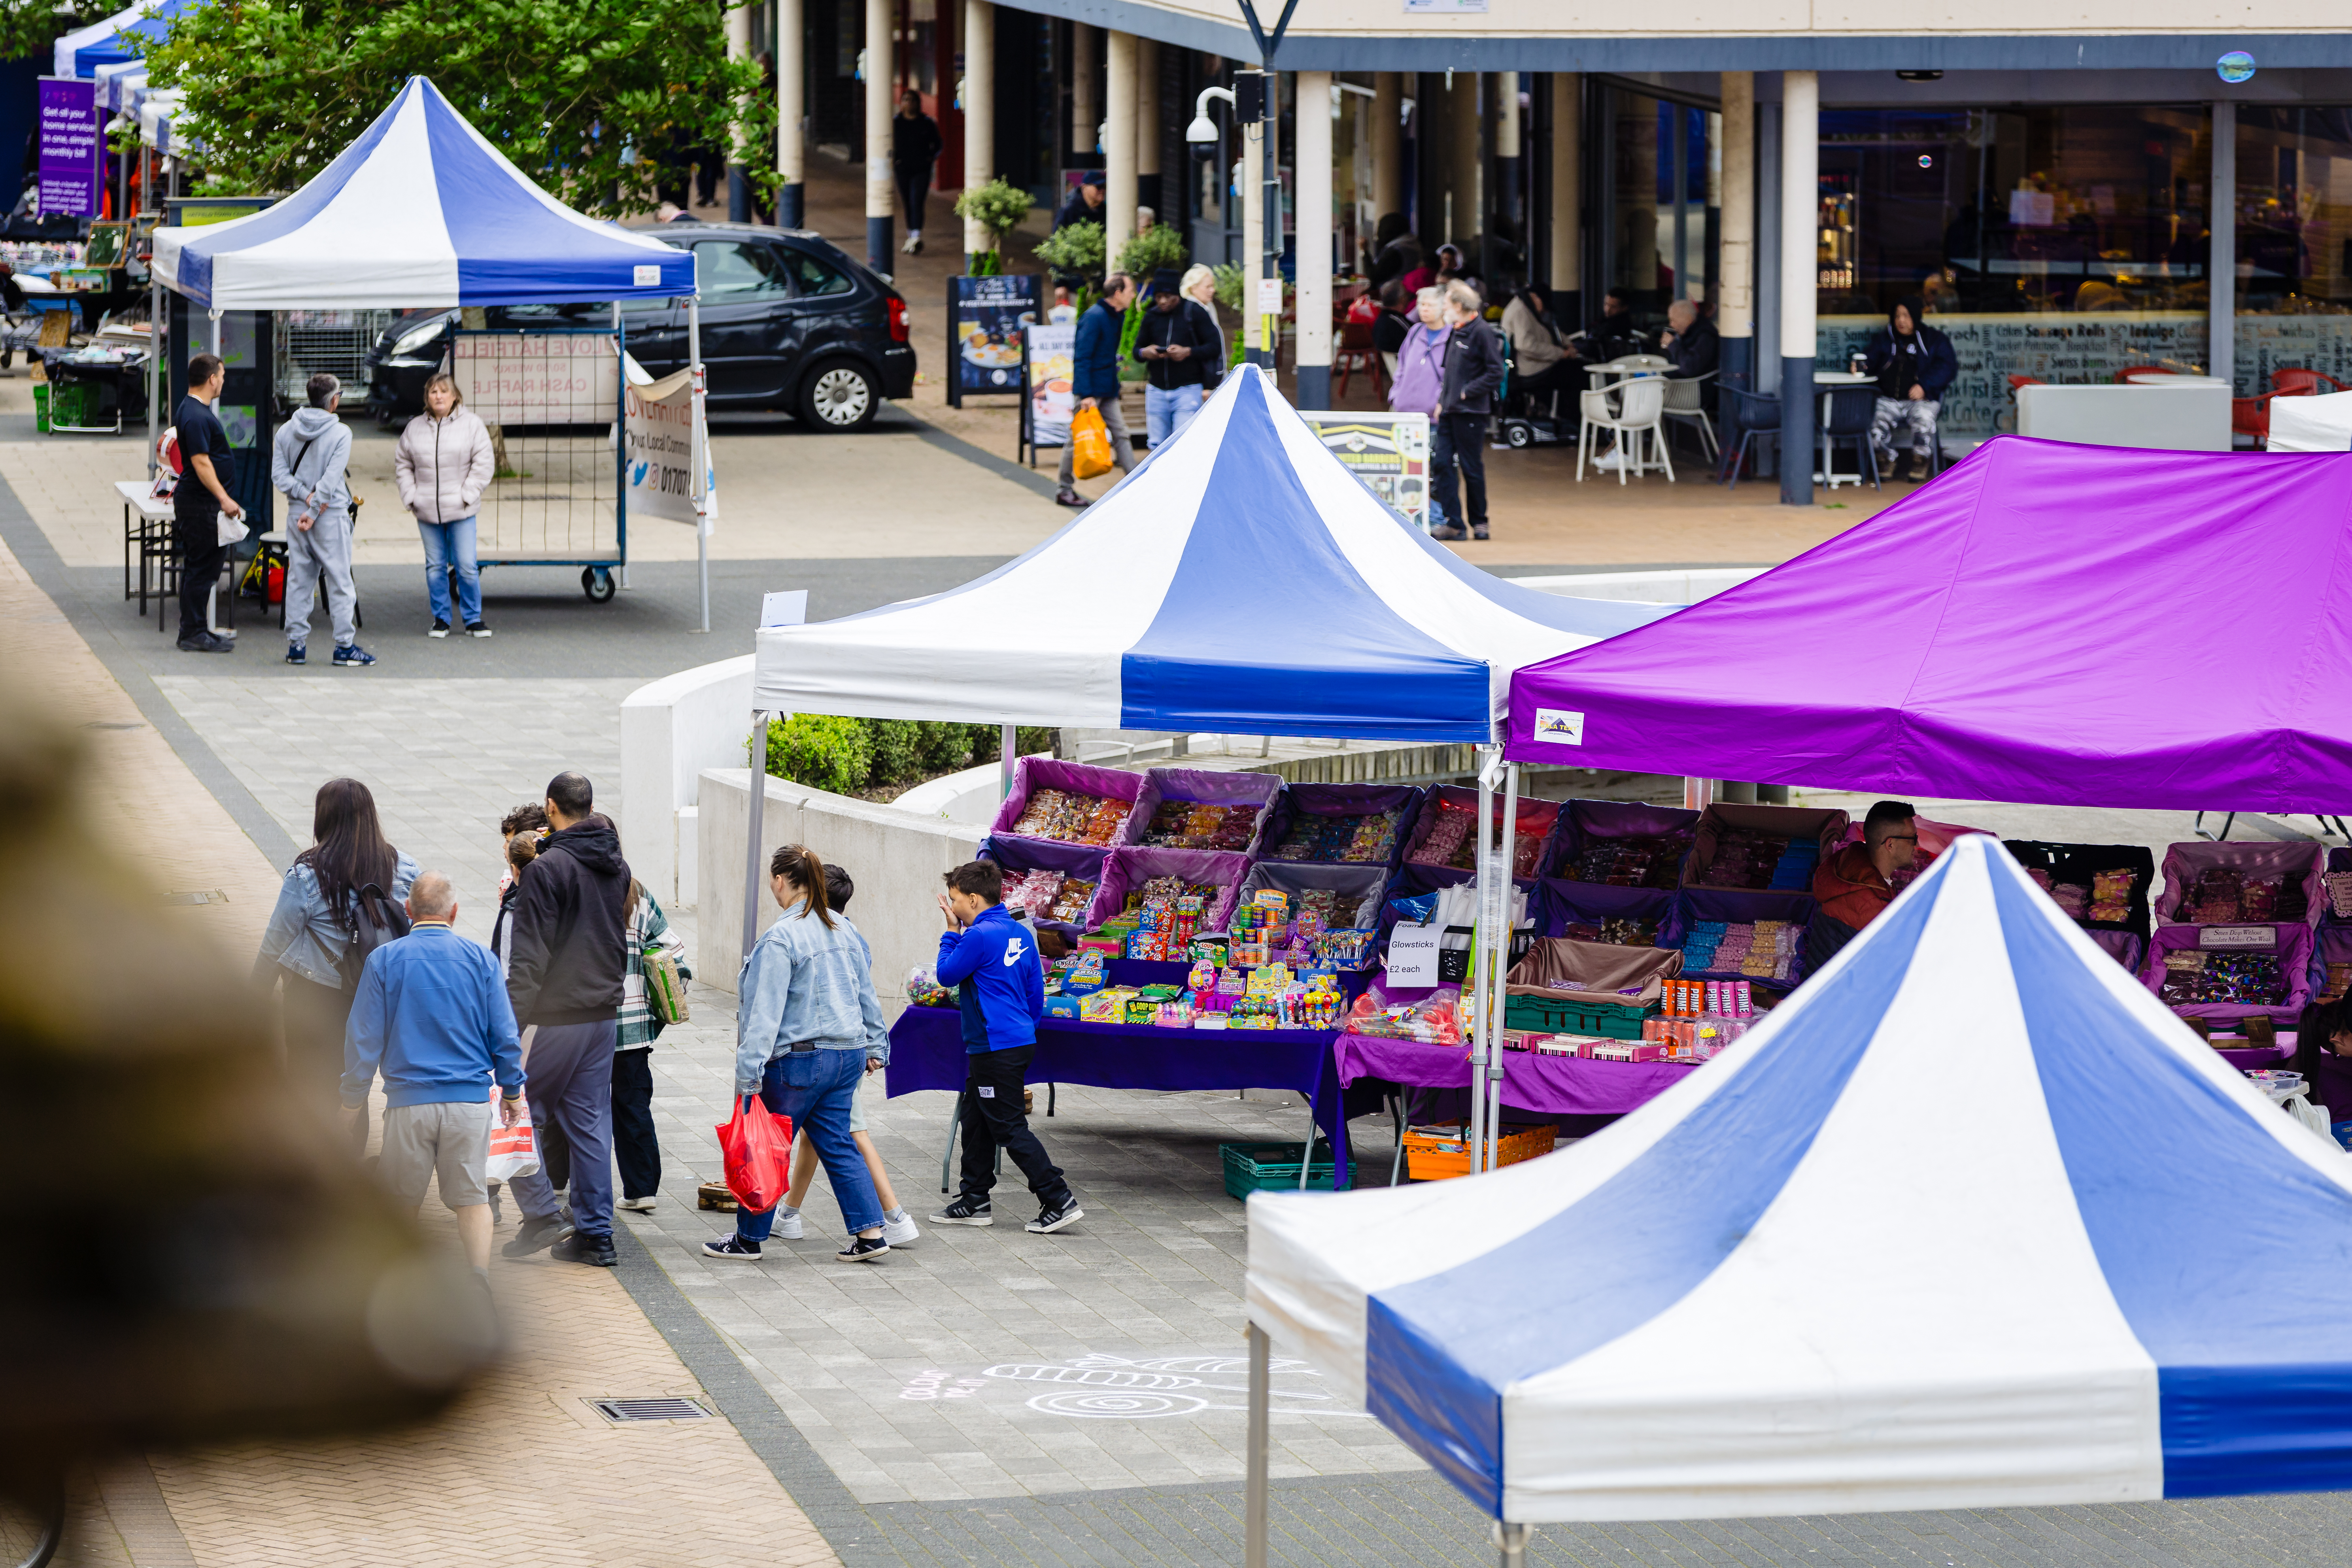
{"x":992,"y":961}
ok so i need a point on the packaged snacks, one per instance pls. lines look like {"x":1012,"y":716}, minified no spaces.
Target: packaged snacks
{"x":2230,"y":979}
{"x":1436,"y":1020}
{"x":1747,"y":858}
{"x":1194,"y":825}
{"x":923,"y":990}
{"x":1071,"y":900}
{"x":2339,"y":980}
{"x":1620,"y":931}
{"x":1033,"y":893}
{"x":1631,"y":862}
{"x":1071,"y":817}
{"x":1368,"y":839}
{"x":1452,"y":840}
{"x":1765,"y":950}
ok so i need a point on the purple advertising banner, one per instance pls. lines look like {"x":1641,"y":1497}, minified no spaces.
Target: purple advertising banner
{"x":72,"y":162}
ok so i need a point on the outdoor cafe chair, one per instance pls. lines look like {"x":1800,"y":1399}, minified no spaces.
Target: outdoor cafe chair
{"x":1747,"y":416}
{"x":1640,"y":410}
{"x":1846,"y":413}
{"x":1685,"y":401}
{"x":1358,"y":352}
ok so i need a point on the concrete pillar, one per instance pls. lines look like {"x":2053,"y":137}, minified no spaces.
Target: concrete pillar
{"x":739,"y":188}
{"x":1388,"y":145}
{"x":1086,"y":108}
{"x":1507,"y":143}
{"x":1147,"y":188}
{"x":792,"y":82}
{"x":978,"y":108}
{"x":1314,"y":186}
{"x":1118,"y":147}
{"x":881,"y":71}
{"x":1567,"y":277}
{"x":1801,"y":224}
{"x":1252,"y":206}
{"x":1463,"y":217}
{"x":2221,"y":325}
{"x":1734,"y":309}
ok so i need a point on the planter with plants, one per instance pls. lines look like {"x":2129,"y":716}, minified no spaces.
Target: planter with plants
{"x":997,"y":207}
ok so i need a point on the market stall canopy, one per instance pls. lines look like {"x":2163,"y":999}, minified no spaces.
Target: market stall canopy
{"x":1970,"y":1221}
{"x":122,"y":85}
{"x":1241,"y":581}
{"x":157,"y":112}
{"x":421,"y":211}
{"x":125,"y":35}
{"x":2062,"y":625}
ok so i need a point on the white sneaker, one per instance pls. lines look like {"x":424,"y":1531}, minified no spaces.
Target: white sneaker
{"x":901,"y":1231}
{"x":1610,"y":460}
{"x":788,"y":1224}
{"x":642,"y":1206}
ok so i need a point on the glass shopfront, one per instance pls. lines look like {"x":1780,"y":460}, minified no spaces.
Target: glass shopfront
{"x":1662,"y":206}
{"x":2294,"y":243}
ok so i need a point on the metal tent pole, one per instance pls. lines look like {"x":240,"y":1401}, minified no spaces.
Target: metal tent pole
{"x":753,"y":883}
{"x":1471,"y":991}
{"x":1511,"y":1544}
{"x":1260,"y":1379}
{"x":697,"y":453}
{"x":214,"y":316}
{"x":157,"y":382}
{"x":1506,"y":885}
{"x":1008,"y":743}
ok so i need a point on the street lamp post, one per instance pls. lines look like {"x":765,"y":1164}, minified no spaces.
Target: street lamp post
{"x":1261,"y":185}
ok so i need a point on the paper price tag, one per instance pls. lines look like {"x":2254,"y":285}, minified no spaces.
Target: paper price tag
{"x":2237,"y":936}
{"x":789,"y":609}
{"x":1412,"y":954}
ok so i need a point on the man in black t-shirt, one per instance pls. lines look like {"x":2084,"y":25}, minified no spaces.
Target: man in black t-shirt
{"x":206,"y":472}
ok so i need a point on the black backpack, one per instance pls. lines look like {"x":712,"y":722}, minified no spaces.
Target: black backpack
{"x":373,"y":920}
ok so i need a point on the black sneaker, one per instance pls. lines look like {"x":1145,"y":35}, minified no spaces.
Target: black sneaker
{"x":1071,"y":498}
{"x":535,"y":1235}
{"x":296,"y":654}
{"x":966,"y":1211}
{"x":476,"y":629}
{"x":596,"y":1251}
{"x":1066,"y":1213}
{"x":206,"y":642}
{"x":733,"y":1250}
{"x":1478,"y":531}
{"x":1450,"y":531}
{"x":862,"y":1249}
{"x":440,"y":629}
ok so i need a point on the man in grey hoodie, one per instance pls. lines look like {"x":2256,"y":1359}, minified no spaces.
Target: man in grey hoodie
{"x":308,"y":463}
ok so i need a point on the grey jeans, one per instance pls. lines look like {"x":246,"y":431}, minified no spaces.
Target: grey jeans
{"x":1122,"y":448}
{"x":320,"y":554}
{"x":1919,"y":414}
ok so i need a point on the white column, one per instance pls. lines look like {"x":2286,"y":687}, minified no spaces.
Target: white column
{"x":1507,"y":175}
{"x":881,"y":71}
{"x":1800,"y":115}
{"x":2221,"y":294}
{"x":1567,"y":186}
{"x":1086,"y":108}
{"x":1118,"y":146}
{"x":1313,"y":159}
{"x":1147,"y":127}
{"x":1252,"y":203}
{"x":739,"y":189}
{"x":1735,"y":310}
{"x":978,"y":108}
{"x":791,"y":79}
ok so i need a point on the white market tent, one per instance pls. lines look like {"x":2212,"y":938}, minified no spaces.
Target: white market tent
{"x":1970,"y":1221}
{"x":111,"y":40}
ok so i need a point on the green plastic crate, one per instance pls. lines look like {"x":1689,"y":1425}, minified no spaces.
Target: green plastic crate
{"x":1545,"y":1015}
{"x":1270,"y":1168}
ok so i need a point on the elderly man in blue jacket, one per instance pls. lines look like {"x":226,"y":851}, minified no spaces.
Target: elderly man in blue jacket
{"x":992,"y":961}
{"x":1094,"y":377}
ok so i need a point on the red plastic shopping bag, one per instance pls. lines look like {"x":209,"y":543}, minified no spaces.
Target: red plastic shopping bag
{"x":514,"y":1151}
{"x":758,"y":1144}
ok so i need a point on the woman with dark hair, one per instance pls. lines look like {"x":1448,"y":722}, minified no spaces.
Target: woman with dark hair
{"x":312,"y":926}
{"x":807,"y":1023}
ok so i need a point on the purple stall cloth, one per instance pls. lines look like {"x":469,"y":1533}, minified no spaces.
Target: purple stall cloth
{"x":1129,"y":867}
{"x":1541,"y":1086}
{"x":927,"y":1052}
{"x":1967,"y":643}
{"x":1031,"y":775}
{"x":2183,"y":863}
{"x":2290,"y":944}
{"x":1204,"y":786}
{"x":1081,"y":861}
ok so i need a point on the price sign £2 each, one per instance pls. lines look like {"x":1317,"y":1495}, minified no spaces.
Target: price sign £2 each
{"x":1413,"y":955}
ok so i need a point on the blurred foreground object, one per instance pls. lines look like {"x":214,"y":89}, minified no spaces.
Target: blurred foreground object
{"x":189,"y":1258}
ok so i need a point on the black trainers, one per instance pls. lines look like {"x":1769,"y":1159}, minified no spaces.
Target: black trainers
{"x":1066,"y":1213}
{"x":476,"y":629}
{"x":206,"y":642}
{"x":440,"y":629}
{"x":732,"y":1249}
{"x":296,"y":654}
{"x":1450,"y":531}
{"x":1478,"y":530}
{"x":966,"y":1211}
{"x":862,"y":1249}
{"x":596,"y":1251}
{"x":536,"y":1234}
{"x":1071,"y":498}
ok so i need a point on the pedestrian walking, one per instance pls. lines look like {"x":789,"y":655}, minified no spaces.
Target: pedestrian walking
{"x":432,"y":1017}
{"x":312,"y":931}
{"x":1474,"y":372}
{"x":309,"y":465}
{"x":1094,"y":379}
{"x":899,"y":1227}
{"x":202,"y":498}
{"x":914,"y":147}
{"x":635,"y":1147}
{"x":1175,"y":354}
{"x":808,"y":1028}
{"x":444,"y":463}
{"x":992,"y":961}
{"x":564,"y":981}
{"x":1200,"y":289}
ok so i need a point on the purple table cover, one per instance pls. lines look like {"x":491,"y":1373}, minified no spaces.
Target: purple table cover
{"x":2183,"y":863}
{"x":926,"y":1051}
{"x":1205,"y":786}
{"x":1545,"y":1086}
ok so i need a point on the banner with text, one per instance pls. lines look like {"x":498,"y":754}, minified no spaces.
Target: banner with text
{"x":1390,"y":452}
{"x":1049,"y":350}
{"x":72,"y":143}
{"x":659,"y":429}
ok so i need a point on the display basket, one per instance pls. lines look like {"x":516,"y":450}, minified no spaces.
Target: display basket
{"x":1743,"y":906}
{"x":1273,"y":1168}
{"x":1131,"y":866}
{"x":2293,"y":942}
{"x":1439,"y":1153}
{"x":1559,"y":904}
{"x":1018,"y":854}
{"x":1359,"y":889}
{"x":1824,"y":826}
{"x":1586,"y":821}
{"x":1537,"y":820}
{"x":2184,"y":863}
{"x":1031,"y":775}
{"x":1301,"y":800}
{"x":2076,"y":862}
{"x":1592,"y":1001}
{"x":1204,"y":786}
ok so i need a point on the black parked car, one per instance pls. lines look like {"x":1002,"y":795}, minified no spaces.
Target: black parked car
{"x":788,"y":322}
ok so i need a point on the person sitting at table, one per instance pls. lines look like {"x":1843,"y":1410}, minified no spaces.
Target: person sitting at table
{"x":1616,"y":335}
{"x":1855,"y":885}
{"x":1913,"y":363}
{"x":1691,"y":341}
{"x":1540,"y":362}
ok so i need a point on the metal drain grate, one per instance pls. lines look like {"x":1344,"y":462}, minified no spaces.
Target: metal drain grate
{"x":626,"y":1410}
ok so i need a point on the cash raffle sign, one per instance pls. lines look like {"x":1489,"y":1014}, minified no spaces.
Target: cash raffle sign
{"x":1390,"y":452}
{"x":987,"y":318}
{"x":72,"y":147}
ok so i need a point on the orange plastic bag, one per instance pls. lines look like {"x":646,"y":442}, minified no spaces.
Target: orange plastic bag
{"x":1089,"y":444}
{"x":758,"y":1144}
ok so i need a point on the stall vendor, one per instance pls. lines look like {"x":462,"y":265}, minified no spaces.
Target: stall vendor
{"x":1857,"y":882}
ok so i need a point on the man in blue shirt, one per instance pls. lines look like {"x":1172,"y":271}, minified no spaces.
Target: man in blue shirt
{"x":431,"y":1012}
{"x":992,"y":961}
{"x":1094,"y":379}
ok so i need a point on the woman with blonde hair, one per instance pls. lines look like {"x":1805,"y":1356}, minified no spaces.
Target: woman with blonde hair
{"x":443,"y":464}
{"x":1200,"y":286}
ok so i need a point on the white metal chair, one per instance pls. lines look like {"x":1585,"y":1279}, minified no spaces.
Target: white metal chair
{"x":1685,"y":400}
{"x":1640,"y":408}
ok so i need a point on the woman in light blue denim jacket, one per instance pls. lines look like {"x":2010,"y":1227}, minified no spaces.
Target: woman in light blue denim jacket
{"x":312,"y":926}
{"x":807,"y":1020}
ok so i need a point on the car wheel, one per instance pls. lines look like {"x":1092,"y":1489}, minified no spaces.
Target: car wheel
{"x":840,"y":395}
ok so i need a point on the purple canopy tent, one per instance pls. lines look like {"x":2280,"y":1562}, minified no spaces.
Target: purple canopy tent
{"x":2046,"y":623}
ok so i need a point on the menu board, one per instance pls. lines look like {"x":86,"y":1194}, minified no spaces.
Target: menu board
{"x":987,"y":319}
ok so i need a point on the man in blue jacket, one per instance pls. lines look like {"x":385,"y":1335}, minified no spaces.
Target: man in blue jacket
{"x":431,"y":1013}
{"x":992,"y":961}
{"x":1094,"y":377}
{"x":1913,"y":363}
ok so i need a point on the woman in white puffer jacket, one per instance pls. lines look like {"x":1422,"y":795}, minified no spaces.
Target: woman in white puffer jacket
{"x":444,"y":463}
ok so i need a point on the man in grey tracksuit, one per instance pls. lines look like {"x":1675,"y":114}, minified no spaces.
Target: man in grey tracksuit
{"x":308,"y":464}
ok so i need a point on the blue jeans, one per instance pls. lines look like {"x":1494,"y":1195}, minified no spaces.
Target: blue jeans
{"x":816,"y":1090}
{"x":448,"y":543}
{"x":1166,"y":412}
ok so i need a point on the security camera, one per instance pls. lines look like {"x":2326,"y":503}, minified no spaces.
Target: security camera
{"x":1203,"y":132}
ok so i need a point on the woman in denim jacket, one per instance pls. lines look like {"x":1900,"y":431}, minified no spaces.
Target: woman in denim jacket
{"x":311,"y":927}
{"x":806,"y":1024}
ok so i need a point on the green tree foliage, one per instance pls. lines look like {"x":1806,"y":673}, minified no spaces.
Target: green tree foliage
{"x":1159,"y":245}
{"x":998,"y":207}
{"x":34,"y":29}
{"x":586,"y":96}
{"x":821,"y":752}
{"x":1073,"y":248}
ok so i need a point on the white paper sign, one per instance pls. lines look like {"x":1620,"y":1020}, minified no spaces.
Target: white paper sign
{"x":788,"y":608}
{"x":1269,"y":296}
{"x":1412,"y":954}
{"x":658,"y":425}
{"x":2238,"y":936}
{"x":1561,"y":726}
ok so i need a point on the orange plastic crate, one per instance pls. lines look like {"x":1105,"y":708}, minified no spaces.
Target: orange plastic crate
{"x":1433,"y":1155}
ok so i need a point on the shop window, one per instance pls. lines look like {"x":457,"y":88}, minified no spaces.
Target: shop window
{"x":1665,"y":183}
{"x":2294,"y":243}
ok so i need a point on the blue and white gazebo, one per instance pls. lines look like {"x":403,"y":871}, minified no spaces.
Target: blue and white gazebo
{"x":1971,"y":1221}
{"x":113,"y":40}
